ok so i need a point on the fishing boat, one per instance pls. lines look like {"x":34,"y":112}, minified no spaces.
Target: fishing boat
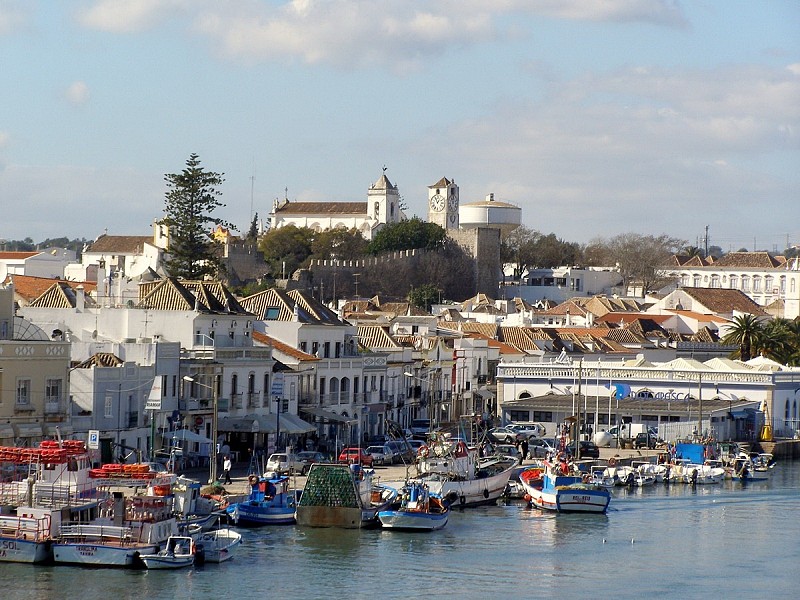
{"x":269,"y":502}
{"x":416,"y":509}
{"x":126,"y":528}
{"x":561,"y":490}
{"x":217,"y":545}
{"x":45,"y":486}
{"x":340,"y":495}
{"x":178,"y":553}
{"x":460,"y":476}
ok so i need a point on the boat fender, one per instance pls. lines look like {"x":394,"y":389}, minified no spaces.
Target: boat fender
{"x":452,"y":497}
{"x":423,"y":451}
{"x":485,"y":493}
{"x":252,"y":480}
{"x":463,"y":501}
{"x":612,"y":462}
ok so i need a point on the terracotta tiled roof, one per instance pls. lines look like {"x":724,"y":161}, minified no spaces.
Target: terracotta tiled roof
{"x":17,"y":255}
{"x":101,"y":359}
{"x":309,"y":310}
{"x":322,"y":208}
{"x":684,"y":260}
{"x":487,"y":329}
{"x":442,"y":183}
{"x":377,"y":337}
{"x":625,"y":318}
{"x":282,"y":348}
{"x":703,"y":318}
{"x":724,"y":301}
{"x":749,"y":260}
{"x":28,"y":287}
{"x":60,"y":295}
{"x":179,"y":294}
{"x":120,"y":244}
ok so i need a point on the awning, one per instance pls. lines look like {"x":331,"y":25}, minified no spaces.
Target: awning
{"x":293,"y":424}
{"x":7,"y":431}
{"x":248,"y":424}
{"x":484,"y":393}
{"x":376,"y":408}
{"x":29,"y":430}
{"x":186,"y":435}
{"x":327,"y":415}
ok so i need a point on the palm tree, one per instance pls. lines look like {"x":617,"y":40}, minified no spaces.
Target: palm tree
{"x":745,"y":331}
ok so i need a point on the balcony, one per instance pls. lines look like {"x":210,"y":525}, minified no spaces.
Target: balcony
{"x":237,"y":401}
{"x":253,"y":399}
{"x":52,"y":407}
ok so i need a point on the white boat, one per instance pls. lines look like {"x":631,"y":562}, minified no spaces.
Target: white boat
{"x":696,"y":474}
{"x":217,"y":545}
{"x":125,"y":529}
{"x":457,"y":474}
{"x":558,"y":489}
{"x":178,"y":553}
{"x":50,"y":485}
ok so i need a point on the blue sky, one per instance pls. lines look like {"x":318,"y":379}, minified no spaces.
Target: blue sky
{"x":597,"y":117}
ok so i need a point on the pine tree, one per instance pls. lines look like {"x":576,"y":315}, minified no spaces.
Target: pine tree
{"x":191,"y":197}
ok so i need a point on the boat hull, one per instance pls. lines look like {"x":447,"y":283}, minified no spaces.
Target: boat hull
{"x":412,"y":521}
{"x":167,"y":562}
{"x":218,"y":546}
{"x":13,"y":549}
{"x":472,"y":492}
{"x":100,"y":555}
{"x":255,"y":516}
{"x":578,"y":501}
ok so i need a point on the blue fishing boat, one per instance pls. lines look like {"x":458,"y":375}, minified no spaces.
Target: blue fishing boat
{"x":417,"y":509}
{"x":270,"y":502}
{"x":558,"y":489}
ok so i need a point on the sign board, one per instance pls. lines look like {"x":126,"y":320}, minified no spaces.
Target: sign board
{"x":94,"y":439}
{"x":277,"y":385}
{"x":154,"y":398}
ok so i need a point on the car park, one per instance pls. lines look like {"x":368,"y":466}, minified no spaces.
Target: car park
{"x":379,"y":455}
{"x":308,"y":458}
{"x":644,"y":440}
{"x":352,"y":455}
{"x":588,"y":449}
{"x":283,"y":462}
{"x":504,"y":435}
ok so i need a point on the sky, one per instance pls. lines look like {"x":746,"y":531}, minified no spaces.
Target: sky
{"x":596,"y":117}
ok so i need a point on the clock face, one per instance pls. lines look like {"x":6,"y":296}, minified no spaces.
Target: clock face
{"x":452,"y":203}
{"x":437,"y":202}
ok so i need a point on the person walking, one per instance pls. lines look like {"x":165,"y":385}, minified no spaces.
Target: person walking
{"x":524,"y":449}
{"x":227,"y":465}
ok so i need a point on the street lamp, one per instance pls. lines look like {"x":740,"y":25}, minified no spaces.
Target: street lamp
{"x":212,"y":474}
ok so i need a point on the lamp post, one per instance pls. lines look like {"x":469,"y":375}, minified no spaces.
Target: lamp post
{"x":212,"y":473}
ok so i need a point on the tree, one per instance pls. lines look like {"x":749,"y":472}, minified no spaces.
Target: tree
{"x":286,"y":249}
{"x":341,"y":243}
{"x":424,"y":296}
{"x":252,"y":233}
{"x":191,"y":197}
{"x":407,"y":235}
{"x":746,"y":332}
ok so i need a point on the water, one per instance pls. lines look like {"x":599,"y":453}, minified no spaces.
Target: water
{"x":719,"y":541}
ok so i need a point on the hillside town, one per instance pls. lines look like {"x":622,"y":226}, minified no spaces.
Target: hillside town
{"x":155,"y":366}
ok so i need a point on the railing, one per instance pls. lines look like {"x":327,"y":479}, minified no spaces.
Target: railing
{"x":52,"y":407}
{"x":236,"y":401}
{"x":253,"y":399}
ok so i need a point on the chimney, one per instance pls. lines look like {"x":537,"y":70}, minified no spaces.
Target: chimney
{"x":80,"y":299}
{"x":490,"y":197}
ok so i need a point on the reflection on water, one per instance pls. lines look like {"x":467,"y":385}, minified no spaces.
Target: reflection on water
{"x":656,"y":540}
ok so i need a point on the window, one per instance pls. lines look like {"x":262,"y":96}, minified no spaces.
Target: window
{"x":685,"y":280}
{"x":734,"y":282}
{"x":303,"y":346}
{"x":518,"y":415}
{"x":234,"y":384}
{"x":251,"y":383}
{"x":267,"y":390}
{"x":542,"y":415}
{"x":271,"y":313}
{"x":23,"y":391}
{"x":338,"y":350}
{"x":696,"y":281}
{"x":783,"y":284}
{"x":768,"y":284}
{"x":745,"y":283}
{"x":108,"y":408}
{"x":715,"y":281}
{"x":326,"y":352}
{"x":314,"y":348}
{"x":756,"y":283}
{"x":53,"y":390}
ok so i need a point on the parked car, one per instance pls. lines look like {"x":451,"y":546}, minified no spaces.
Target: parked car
{"x":379,"y":455}
{"x":353,"y":455}
{"x":401,"y":452}
{"x":645,"y":440}
{"x":540,"y":448}
{"x":282,"y":462}
{"x":308,"y":458}
{"x":504,"y":435}
{"x":529,"y":430}
{"x":507,"y":450}
{"x":415,"y":445}
{"x":420,"y":427}
{"x":588,"y":449}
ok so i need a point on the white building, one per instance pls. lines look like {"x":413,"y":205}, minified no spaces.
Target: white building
{"x":46,"y":263}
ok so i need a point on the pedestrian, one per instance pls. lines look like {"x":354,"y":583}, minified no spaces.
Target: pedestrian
{"x":227,"y":465}
{"x":524,"y":449}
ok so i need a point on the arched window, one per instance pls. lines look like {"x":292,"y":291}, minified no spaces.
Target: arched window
{"x":344,"y":390}
{"x":234,"y":384}
{"x":786,"y":412}
{"x":745,"y":283}
{"x":733,"y":282}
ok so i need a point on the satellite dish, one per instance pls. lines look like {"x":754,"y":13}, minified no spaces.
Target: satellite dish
{"x":94,"y":334}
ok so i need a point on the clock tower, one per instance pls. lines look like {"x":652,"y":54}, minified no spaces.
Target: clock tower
{"x":443,"y":204}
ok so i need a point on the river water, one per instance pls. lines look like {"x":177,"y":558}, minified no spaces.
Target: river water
{"x":716,"y":541}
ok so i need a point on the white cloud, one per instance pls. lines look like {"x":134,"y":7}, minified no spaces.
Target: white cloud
{"x":77,"y":93}
{"x":127,"y":16}
{"x":647,"y":149}
{"x":13,"y":14}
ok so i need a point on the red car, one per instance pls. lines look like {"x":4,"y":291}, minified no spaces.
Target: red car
{"x":357,"y":456}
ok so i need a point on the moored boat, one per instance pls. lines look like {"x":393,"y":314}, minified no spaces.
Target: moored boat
{"x":416,"y":509}
{"x":270,"y":502}
{"x":558,"y":489}
{"x":178,"y":553}
{"x":217,"y":545}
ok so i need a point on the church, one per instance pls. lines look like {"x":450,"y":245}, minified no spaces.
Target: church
{"x":381,"y":207}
